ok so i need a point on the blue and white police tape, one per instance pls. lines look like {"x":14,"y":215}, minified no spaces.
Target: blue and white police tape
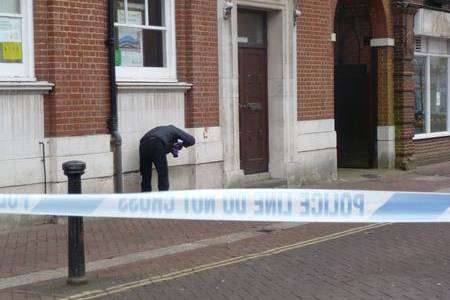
{"x":274,"y":205}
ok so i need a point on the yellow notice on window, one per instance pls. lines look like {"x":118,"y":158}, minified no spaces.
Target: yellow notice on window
{"x":12,"y":51}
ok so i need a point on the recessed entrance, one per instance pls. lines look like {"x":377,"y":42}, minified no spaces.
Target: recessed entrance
{"x":355,"y":85}
{"x":253,"y":106}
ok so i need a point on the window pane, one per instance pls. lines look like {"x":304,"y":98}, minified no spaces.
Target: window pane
{"x":10,"y":6}
{"x":119,"y":15}
{"x":139,"y":48}
{"x":420,"y":89}
{"x":439,"y":89}
{"x":11,"y":40}
{"x":251,"y":28}
{"x":129,"y":47}
{"x":156,"y":12}
{"x":136,"y":12}
{"x":153,"y":48}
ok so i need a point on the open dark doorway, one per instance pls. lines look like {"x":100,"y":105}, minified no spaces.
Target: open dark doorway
{"x":353,"y":113}
{"x":355,"y":86}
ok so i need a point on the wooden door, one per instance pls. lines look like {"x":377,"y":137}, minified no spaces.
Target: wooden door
{"x":253,"y":111}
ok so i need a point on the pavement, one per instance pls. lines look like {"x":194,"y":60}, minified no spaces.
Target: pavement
{"x":148,"y":259}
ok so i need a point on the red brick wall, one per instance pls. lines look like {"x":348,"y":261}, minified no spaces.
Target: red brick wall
{"x":40,"y":39}
{"x":71,"y":53}
{"x":432,"y":150}
{"x":315,"y":61}
{"x":197,"y":55}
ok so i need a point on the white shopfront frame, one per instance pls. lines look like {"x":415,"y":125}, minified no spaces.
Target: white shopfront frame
{"x":427,"y":103}
{"x":154,"y":74}
{"x":22,"y":71}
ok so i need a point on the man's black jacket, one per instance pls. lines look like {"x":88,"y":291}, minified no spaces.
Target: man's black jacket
{"x":169,"y":135}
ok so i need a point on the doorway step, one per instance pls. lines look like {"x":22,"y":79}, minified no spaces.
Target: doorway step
{"x":262,"y":181}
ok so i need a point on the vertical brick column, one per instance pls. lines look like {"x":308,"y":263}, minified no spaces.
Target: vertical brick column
{"x":404,"y":85}
{"x":385,"y":88}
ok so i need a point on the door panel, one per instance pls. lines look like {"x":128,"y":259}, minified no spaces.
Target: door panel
{"x":253,"y":129}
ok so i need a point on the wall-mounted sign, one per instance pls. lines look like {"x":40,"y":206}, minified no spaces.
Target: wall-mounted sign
{"x":432,"y":23}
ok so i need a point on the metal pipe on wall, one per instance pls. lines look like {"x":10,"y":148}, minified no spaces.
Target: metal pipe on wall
{"x":116,"y":139}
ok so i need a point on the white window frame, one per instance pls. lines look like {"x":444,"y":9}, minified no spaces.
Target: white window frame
{"x":154,"y":74}
{"x":427,"y":105}
{"x":22,"y":71}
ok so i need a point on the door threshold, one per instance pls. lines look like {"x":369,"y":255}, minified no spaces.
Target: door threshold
{"x":262,"y":181}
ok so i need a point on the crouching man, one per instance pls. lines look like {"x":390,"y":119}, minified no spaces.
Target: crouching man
{"x":154,"y":147}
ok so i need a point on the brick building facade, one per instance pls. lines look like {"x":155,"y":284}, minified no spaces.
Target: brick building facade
{"x":270,"y":88}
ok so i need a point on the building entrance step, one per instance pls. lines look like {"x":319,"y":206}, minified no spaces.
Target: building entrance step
{"x":267,"y":183}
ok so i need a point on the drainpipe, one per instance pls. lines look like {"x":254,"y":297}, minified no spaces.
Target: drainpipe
{"x":116,"y":139}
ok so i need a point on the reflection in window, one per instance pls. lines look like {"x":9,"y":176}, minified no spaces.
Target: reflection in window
{"x":438,"y":93}
{"x":420,"y":89}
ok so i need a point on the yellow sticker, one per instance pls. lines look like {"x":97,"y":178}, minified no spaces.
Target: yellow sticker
{"x":12,"y":51}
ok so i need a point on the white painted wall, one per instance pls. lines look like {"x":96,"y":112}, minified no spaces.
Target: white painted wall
{"x":316,"y":156}
{"x":141,"y":109}
{"x":21,"y":130}
{"x":386,"y":147}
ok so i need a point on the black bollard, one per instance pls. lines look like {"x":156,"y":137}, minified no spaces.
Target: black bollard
{"x":77,"y":268}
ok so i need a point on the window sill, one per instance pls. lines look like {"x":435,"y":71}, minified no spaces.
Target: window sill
{"x":140,"y":86}
{"x":433,"y":135}
{"x":29,"y":86}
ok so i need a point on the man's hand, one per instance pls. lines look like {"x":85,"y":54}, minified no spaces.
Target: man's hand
{"x":176,"y":148}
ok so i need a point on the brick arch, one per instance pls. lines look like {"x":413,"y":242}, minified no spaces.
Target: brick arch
{"x":381,"y":16}
{"x":373,"y":19}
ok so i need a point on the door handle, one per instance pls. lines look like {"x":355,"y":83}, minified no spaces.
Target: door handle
{"x":254,"y":106}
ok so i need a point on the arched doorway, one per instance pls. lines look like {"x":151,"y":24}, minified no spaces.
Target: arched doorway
{"x":359,"y":25}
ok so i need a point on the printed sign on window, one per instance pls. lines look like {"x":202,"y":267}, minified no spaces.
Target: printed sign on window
{"x":12,"y":51}
{"x":10,"y":40}
{"x":130,"y":44}
{"x":10,"y":29}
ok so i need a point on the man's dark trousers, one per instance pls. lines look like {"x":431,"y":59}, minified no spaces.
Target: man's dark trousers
{"x":151,"y":151}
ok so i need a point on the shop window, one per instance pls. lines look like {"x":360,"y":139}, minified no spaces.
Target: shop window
{"x":438,"y":94}
{"x":420,"y":89}
{"x":145,"y":46}
{"x":432,"y":81}
{"x":16,"y":40}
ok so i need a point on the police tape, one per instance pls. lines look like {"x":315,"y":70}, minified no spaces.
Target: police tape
{"x":269,"y":205}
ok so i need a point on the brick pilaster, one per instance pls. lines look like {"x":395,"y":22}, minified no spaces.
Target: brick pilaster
{"x":404,"y":96}
{"x":385,"y":86}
